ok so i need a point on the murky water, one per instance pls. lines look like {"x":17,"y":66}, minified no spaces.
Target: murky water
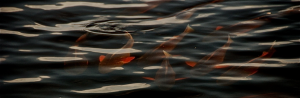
{"x":114,"y":48}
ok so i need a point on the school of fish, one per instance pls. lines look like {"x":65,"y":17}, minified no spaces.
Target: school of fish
{"x":165,"y":76}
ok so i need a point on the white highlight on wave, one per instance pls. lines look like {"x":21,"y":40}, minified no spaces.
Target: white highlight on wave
{"x":109,"y":51}
{"x":114,"y":88}
{"x":249,"y":7}
{"x":10,"y":9}
{"x":2,"y":31}
{"x":152,"y":67}
{"x":138,"y":72}
{"x":231,"y":78}
{"x":24,"y":50}
{"x":286,"y":61}
{"x":271,"y":29}
{"x":117,"y":68}
{"x":59,"y":59}
{"x":23,"y":80}
{"x":61,"y":5}
{"x":251,"y":65}
{"x":277,"y":43}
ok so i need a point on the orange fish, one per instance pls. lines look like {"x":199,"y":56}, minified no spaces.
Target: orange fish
{"x":116,"y":59}
{"x":207,"y":63}
{"x":165,"y":76}
{"x":244,"y":70}
{"x":154,"y":55}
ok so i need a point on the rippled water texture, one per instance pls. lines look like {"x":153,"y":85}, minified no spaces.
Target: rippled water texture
{"x":150,"y":48}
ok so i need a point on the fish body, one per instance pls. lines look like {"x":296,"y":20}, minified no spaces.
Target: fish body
{"x":165,"y":76}
{"x":206,"y":64}
{"x":155,"y":55}
{"x":236,"y":29}
{"x":244,"y":70}
{"x":116,"y":59}
{"x":76,"y":66}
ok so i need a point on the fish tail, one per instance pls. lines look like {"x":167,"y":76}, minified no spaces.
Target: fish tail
{"x":167,"y":54}
{"x":188,"y":29}
{"x":229,"y":39}
{"x":273,"y":44}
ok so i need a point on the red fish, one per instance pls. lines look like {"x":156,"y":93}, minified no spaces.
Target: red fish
{"x":244,"y":70}
{"x":207,"y":63}
{"x":154,"y":55}
{"x":116,"y":59}
{"x":165,"y":76}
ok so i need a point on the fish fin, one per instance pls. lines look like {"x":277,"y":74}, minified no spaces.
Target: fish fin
{"x":127,"y":59}
{"x":229,"y":39}
{"x":101,"y":57}
{"x":167,"y":54}
{"x":251,"y":71}
{"x":188,"y":29}
{"x":82,"y":37}
{"x":191,"y":63}
{"x":148,"y":78}
{"x":179,"y":79}
{"x":273,"y":44}
{"x":221,"y":66}
{"x":219,"y":27}
{"x":265,"y":53}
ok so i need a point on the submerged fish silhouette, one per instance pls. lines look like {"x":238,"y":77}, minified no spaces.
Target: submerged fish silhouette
{"x":116,"y":59}
{"x":154,"y":55}
{"x":165,"y":76}
{"x":76,"y":66}
{"x":248,"y":25}
{"x":207,"y":63}
{"x":236,"y":29}
{"x":188,"y":12}
{"x":244,"y":70}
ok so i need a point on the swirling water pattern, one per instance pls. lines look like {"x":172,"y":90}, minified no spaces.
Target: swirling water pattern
{"x":36,"y":38}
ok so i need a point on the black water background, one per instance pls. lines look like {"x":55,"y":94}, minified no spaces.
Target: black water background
{"x":18,"y":64}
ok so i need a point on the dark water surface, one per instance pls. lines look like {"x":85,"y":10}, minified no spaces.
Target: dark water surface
{"x":42,"y":57}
